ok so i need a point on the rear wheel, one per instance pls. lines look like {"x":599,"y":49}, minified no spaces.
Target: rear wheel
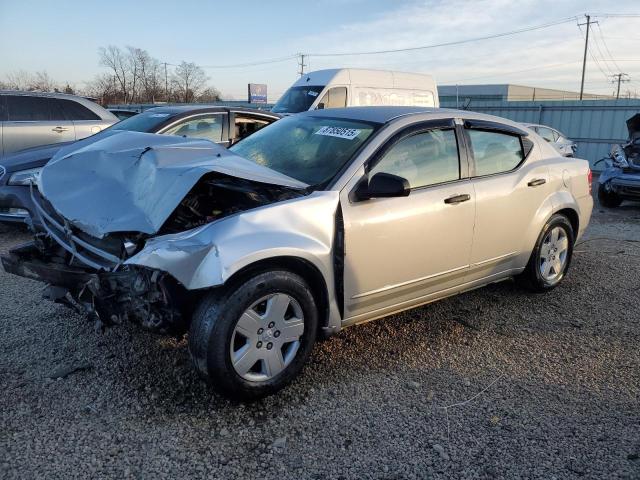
{"x":608,"y":198}
{"x":254,"y":339}
{"x":551,"y":255}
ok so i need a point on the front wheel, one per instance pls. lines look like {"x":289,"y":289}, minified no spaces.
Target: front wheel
{"x":608,"y":198}
{"x":551,"y":255}
{"x":254,"y":339}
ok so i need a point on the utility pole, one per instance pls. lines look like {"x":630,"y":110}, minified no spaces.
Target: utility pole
{"x":584,"y":59}
{"x":620,"y":78}
{"x":166,"y":84}
{"x":302,"y":64}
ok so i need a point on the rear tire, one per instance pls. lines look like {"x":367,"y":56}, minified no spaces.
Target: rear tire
{"x":608,"y":199}
{"x":253,"y":339}
{"x":551,"y":256}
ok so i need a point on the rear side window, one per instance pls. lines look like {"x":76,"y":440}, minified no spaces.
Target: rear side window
{"x":547,"y":134}
{"x":21,"y":108}
{"x":74,"y":110}
{"x":336,"y":97}
{"x":495,"y":152}
{"x":426,"y":158}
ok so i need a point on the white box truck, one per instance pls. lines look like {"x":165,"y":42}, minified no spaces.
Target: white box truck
{"x":353,"y":87}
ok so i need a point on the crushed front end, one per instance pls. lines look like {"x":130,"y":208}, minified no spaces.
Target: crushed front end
{"x":88,"y":275}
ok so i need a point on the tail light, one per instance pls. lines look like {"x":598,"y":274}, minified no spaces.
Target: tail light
{"x":590,"y":179}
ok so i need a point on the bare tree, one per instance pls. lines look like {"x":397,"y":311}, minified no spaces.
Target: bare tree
{"x":208,"y":95}
{"x":189,"y":79}
{"x":18,"y":80}
{"x":42,"y":82}
{"x":116,"y":60}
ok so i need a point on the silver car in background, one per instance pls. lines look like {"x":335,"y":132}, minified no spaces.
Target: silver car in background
{"x":319,"y":221}
{"x":559,"y":140}
{"x":31,"y":119}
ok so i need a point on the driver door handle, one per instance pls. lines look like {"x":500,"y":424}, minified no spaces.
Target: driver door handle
{"x":536,"y":182}
{"x":59,"y":129}
{"x":457,"y":199}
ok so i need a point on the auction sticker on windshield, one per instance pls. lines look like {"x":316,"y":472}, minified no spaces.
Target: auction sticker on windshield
{"x":340,"y":132}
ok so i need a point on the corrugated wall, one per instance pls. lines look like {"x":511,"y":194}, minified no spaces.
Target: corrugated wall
{"x":594,"y":124}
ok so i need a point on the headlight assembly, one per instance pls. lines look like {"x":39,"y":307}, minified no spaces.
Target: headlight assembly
{"x":25,"y":177}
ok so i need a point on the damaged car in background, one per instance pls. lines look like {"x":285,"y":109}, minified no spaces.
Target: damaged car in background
{"x":319,"y":221}
{"x":620,"y":180}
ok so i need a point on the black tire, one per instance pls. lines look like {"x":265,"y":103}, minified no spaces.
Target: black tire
{"x":532,"y":278}
{"x":607,"y":198}
{"x":215,"y":319}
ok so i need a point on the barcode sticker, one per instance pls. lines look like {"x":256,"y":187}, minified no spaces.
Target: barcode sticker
{"x":340,"y":132}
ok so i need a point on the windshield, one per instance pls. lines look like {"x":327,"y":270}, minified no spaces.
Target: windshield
{"x":309,"y":149}
{"x":143,"y":122}
{"x":297,"y":99}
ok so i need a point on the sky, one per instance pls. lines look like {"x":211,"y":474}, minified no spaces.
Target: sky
{"x":63,"y":37}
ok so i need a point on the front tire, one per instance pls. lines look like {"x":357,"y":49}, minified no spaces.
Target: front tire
{"x":253,"y":339}
{"x":551,"y":256}
{"x":608,"y":198}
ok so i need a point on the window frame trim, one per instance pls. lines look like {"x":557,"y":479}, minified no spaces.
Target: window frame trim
{"x":422,"y":127}
{"x":495,"y":127}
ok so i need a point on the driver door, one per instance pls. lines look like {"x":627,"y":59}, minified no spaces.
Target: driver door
{"x":401,"y":251}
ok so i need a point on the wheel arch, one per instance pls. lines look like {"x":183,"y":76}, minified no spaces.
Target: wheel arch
{"x":298,"y":265}
{"x":572,"y":216}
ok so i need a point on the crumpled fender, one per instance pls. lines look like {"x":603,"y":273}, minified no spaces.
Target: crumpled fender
{"x":209,"y":255}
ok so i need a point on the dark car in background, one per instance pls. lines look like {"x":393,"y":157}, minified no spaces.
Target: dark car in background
{"x":123,"y":114}
{"x":620,"y":180}
{"x":30,"y":119}
{"x":219,"y":124}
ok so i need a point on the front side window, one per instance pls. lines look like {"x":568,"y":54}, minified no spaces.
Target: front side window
{"x":309,"y":149}
{"x":297,"y":99}
{"x":423,"y":159}
{"x":495,"y":152}
{"x":22,"y":108}
{"x":336,"y":97}
{"x":209,"y":127}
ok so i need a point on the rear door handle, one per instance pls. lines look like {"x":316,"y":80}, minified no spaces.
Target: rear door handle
{"x":458,"y":199}
{"x":536,"y":182}
{"x":59,"y":129}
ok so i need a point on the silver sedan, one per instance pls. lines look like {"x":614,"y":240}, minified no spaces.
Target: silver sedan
{"x":317,"y":222}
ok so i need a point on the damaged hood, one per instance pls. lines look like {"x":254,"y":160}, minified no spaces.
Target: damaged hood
{"x":133,"y":181}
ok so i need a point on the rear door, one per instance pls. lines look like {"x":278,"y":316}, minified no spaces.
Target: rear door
{"x":85,"y":122}
{"x":509,"y":190}
{"x":34,"y":121}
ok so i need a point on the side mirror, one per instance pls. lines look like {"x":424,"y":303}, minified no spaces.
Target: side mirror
{"x":320,"y":106}
{"x":383,"y":185}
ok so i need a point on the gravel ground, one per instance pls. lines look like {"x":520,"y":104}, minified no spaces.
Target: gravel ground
{"x":551,"y":384}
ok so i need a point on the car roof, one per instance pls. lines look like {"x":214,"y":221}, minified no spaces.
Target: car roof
{"x":43,"y":94}
{"x":179,"y":109}
{"x":386,"y":114}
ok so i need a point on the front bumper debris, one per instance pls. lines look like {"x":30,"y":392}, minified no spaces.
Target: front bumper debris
{"x":145,"y":296}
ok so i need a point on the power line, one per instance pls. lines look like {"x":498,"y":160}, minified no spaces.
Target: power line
{"x":607,"y":48}
{"x":447,"y":44}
